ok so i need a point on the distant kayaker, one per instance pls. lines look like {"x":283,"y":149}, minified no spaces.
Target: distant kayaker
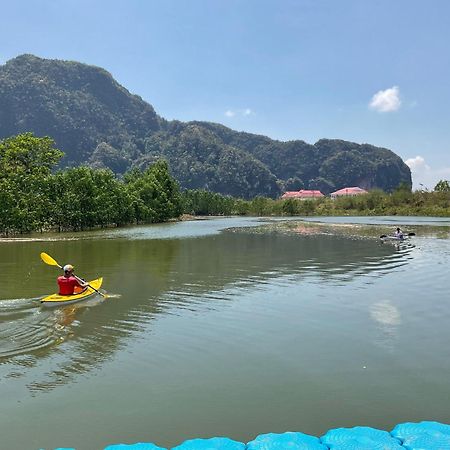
{"x":398,"y":233}
{"x":68,"y":282}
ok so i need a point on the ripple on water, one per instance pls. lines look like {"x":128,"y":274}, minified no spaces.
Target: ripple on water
{"x":26,"y":328}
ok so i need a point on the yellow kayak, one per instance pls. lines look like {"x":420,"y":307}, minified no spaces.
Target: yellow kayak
{"x":82,"y":294}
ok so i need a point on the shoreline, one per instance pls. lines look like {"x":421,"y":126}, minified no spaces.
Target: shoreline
{"x":309,"y":224}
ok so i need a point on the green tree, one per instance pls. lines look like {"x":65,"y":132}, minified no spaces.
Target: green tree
{"x":27,"y":154}
{"x":155,"y":195}
{"x":73,"y":197}
{"x":260,"y":206}
{"x":442,"y":186}
{"x":206,"y":203}
{"x":25,"y":170}
{"x":290,"y":207}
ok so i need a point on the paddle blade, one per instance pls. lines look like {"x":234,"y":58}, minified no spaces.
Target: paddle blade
{"x":383,"y":236}
{"x":411,"y":234}
{"x":49,"y":260}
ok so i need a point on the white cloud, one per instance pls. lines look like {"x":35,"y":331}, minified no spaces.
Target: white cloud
{"x":241,"y":112}
{"x":417,"y":164}
{"x":387,"y":100}
{"x":424,"y":176}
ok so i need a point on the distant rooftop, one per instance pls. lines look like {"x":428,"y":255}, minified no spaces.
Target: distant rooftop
{"x":355,"y":190}
{"x":302,"y":193}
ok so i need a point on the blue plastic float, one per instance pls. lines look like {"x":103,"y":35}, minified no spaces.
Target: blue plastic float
{"x":138,"y":446}
{"x":405,"y":436}
{"x":423,"y":435}
{"x":360,"y":438}
{"x":289,"y":440}
{"x":216,"y":443}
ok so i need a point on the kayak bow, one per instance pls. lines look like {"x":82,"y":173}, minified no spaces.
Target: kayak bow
{"x":78,"y":295}
{"x":395,"y":238}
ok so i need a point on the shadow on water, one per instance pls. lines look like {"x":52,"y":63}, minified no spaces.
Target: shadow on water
{"x":152,"y":278}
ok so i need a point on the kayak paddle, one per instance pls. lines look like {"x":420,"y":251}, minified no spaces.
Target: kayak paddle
{"x":385,"y":236}
{"x":51,"y":262}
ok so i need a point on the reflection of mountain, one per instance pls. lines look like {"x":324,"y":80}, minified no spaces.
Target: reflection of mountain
{"x":153,"y":276}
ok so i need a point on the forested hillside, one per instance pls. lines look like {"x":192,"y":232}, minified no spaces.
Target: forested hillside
{"x":96,"y":121}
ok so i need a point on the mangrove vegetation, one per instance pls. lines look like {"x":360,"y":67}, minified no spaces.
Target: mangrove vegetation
{"x":34,"y":198}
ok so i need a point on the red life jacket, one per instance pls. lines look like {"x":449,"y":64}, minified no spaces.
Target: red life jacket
{"x":67,"y":285}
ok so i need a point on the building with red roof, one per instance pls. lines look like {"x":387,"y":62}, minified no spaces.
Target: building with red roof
{"x":348,"y":192}
{"x":302,"y":194}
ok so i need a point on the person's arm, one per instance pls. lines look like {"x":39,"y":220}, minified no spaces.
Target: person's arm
{"x":80,"y":281}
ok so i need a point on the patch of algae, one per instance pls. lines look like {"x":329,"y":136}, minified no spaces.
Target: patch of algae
{"x":358,"y":231}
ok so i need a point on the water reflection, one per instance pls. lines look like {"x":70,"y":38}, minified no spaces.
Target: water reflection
{"x":385,"y":314}
{"x":388,"y":318}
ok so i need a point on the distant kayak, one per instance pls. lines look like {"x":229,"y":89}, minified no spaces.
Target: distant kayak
{"x":393,"y":237}
{"x":80,"y":294}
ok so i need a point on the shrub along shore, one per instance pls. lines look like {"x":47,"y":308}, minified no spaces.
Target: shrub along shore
{"x":35,"y":198}
{"x":401,"y":202}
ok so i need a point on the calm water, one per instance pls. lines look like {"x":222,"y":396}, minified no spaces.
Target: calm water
{"x":236,"y":333}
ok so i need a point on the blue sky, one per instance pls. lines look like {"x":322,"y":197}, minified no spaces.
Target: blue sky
{"x":373,"y":71}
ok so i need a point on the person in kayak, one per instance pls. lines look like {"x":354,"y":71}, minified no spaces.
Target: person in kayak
{"x":68,"y":282}
{"x":398,"y":233}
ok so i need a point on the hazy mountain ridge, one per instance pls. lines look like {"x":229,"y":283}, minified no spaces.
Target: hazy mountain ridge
{"x":94,"y":120}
